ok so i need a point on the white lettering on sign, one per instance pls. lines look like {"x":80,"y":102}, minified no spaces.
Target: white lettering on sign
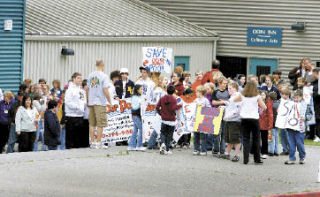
{"x":258,"y":31}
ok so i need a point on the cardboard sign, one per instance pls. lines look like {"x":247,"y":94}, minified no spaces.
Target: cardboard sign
{"x":283,"y":111}
{"x":157,"y":59}
{"x":208,"y":120}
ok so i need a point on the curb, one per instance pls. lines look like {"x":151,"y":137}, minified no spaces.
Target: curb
{"x":305,"y":194}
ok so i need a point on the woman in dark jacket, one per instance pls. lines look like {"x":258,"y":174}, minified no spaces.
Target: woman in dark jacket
{"x":51,"y":126}
{"x":5,"y":105}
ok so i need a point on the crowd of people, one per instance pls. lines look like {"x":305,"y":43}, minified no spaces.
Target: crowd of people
{"x":73,"y":116}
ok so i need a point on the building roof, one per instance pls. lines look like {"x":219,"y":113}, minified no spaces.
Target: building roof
{"x":105,"y":18}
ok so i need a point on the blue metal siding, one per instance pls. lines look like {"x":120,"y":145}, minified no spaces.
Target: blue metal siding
{"x":11,"y":44}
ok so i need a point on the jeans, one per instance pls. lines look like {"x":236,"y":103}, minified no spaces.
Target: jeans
{"x":12,"y":139}
{"x":153,"y":140}
{"x":274,"y":144}
{"x":251,"y":126}
{"x":200,"y":139}
{"x":62,"y":146}
{"x":137,"y":131}
{"x":166,"y":135}
{"x":40,"y":134}
{"x":284,"y":140}
{"x":219,"y":143}
{"x":296,"y":142}
{"x":210,"y":141}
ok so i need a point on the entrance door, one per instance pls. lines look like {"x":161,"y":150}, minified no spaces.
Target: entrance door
{"x":183,"y":61}
{"x":259,"y":66}
{"x":232,"y":66}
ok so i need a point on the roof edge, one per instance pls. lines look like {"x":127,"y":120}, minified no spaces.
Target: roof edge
{"x":118,"y":39}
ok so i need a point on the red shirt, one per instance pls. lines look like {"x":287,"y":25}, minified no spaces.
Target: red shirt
{"x":167,"y":107}
{"x":179,"y":88}
{"x":209,"y":76}
{"x":266,"y":118}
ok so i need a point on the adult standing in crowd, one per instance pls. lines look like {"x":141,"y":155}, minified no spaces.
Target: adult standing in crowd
{"x":26,"y":119}
{"x":5,"y":105}
{"x":303,"y":70}
{"x":114,"y":77}
{"x":316,"y":100}
{"x":56,"y":88}
{"x":250,"y":120}
{"x":241,"y":79}
{"x":209,"y":76}
{"x":12,"y":116}
{"x":75,"y":102}
{"x":98,"y":98}
{"x":51,"y":126}
{"x":146,"y":83}
{"x":124,"y":86}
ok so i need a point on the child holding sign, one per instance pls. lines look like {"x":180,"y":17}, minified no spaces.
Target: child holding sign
{"x":200,"y":138}
{"x":296,"y":128}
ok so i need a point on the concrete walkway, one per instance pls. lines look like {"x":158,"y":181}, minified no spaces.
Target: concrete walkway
{"x":114,"y":172}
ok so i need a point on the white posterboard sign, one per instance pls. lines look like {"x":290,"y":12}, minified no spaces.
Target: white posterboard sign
{"x":157,"y":59}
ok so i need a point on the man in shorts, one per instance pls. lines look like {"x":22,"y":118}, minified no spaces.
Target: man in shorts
{"x":98,"y":98}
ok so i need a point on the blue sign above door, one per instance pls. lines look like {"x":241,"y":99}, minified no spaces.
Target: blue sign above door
{"x":264,"y":36}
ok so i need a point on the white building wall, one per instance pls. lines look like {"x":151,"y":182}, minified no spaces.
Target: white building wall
{"x":230,"y":20}
{"x":43,"y":59}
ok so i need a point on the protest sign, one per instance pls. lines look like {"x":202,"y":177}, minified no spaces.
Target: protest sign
{"x":120,"y":124}
{"x":150,"y":121}
{"x":157,"y":59}
{"x":208,"y":120}
{"x":283,"y":111}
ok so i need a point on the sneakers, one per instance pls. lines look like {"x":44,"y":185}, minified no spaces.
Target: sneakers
{"x":276,"y":154}
{"x":162,"y":149}
{"x":93,"y":145}
{"x":131,"y":148}
{"x":289,"y":162}
{"x":203,"y":153}
{"x":215,"y":154}
{"x":196,"y":152}
{"x":142,"y":149}
{"x":260,"y":162}
{"x":102,"y":146}
{"x":236,"y":158}
{"x":169,"y":152}
{"x":225,"y":156}
{"x":316,"y":139}
{"x":302,"y":161}
{"x":271,"y":154}
{"x":264,"y":156}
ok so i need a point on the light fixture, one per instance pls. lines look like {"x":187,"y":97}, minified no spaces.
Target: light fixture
{"x":299,"y":26}
{"x":66,"y":51}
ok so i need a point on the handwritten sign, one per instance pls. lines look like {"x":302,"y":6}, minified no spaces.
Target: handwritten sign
{"x":157,"y":59}
{"x":208,"y":120}
{"x":264,"y":36}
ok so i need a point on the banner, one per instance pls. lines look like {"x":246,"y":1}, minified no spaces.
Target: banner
{"x":150,"y":121}
{"x":208,"y":120}
{"x":120,"y":124}
{"x":157,"y":59}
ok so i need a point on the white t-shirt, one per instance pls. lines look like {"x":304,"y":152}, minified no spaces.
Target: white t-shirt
{"x":249,"y":107}
{"x":147,"y":86}
{"x":203,"y":101}
{"x":156,"y":94}
{"x":97,"y":81}
{"x":232,"y":110}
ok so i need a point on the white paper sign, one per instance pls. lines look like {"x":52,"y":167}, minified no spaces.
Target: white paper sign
{"x":157,"y":59}
{"x":283,"y":111}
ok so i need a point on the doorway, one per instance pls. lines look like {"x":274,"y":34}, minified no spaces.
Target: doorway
{"x":259,"y":66}
{"x":183,"y":61}
{"x":232,"y":66}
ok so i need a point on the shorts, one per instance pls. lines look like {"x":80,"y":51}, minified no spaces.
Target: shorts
{"x":232,"y":133}
{"x":98,"y":116}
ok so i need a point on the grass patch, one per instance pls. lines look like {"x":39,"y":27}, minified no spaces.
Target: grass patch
{"x":311,"y":142}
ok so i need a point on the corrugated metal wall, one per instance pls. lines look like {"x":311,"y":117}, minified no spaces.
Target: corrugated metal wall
{"x":43,"y":58}
{"x":11,"y":44}
{"x":231,"y":19}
